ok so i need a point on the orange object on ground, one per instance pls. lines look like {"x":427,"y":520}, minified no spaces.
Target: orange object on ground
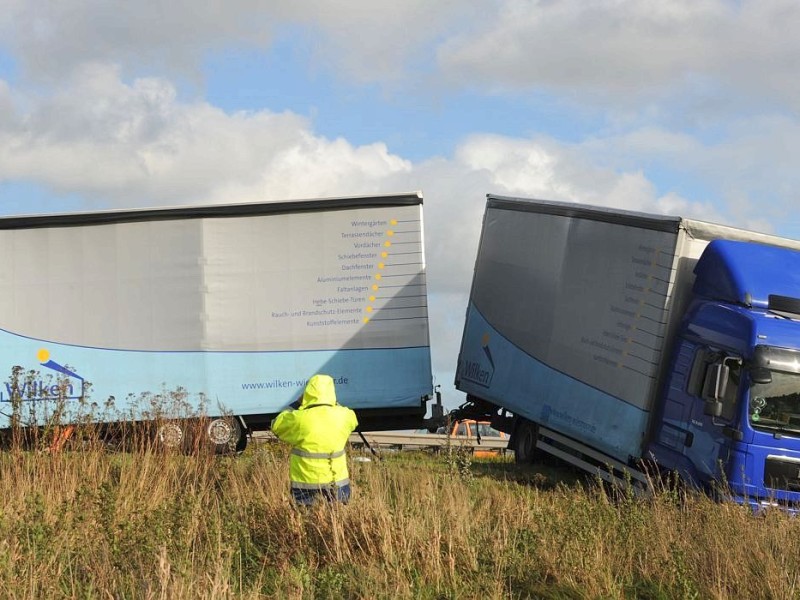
{"x":468,"y":428}
{"x":60,"y":437}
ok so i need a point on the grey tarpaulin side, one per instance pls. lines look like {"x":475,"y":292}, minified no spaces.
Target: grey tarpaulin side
{"x":291,"y":276}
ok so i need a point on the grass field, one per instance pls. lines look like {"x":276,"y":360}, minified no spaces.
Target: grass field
{"x":94,"y":524}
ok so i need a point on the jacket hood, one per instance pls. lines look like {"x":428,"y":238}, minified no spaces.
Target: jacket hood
{"x":319,"y":390}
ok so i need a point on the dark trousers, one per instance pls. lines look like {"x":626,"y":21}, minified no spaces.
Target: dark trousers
{"x":329,"y":493}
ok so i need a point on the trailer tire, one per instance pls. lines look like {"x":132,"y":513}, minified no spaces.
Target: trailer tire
{"x":170,"y":435}
{"x":524,"y":441}
{"x":226,"y":435}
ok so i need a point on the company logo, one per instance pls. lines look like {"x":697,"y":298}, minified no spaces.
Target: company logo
{"x":68,"y":387}
{"x":481,"y":370}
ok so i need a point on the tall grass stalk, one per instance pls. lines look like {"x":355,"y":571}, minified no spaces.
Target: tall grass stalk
{"x":93,"y":524}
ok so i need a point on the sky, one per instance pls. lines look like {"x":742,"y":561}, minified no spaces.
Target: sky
{"x":679,"y":107}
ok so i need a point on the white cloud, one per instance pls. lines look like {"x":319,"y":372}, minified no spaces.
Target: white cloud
{"x":631,"y":52}
{"x":749,"y":168}
{"x":52,"y":38}
{"x":315,"y":167}
{"x":6,"y":104}
{"x":363,"y":39}
{"x":547,"y":169}
{"x":136,"y":144}
{"x":680,"y":59}
{"x":377,"y":41}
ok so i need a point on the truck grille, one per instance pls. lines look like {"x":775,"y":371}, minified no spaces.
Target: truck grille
{"x":782,"y":474}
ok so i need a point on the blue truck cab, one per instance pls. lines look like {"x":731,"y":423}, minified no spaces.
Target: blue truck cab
{"x":731,"y":410}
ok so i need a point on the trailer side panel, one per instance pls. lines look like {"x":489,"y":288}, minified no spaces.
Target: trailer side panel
{"x":237,"y":309}
{"x":567,"y":320}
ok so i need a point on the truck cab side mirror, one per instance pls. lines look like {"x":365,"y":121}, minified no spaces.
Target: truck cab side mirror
{"x":716,"y":382}
{"x":714,"y":387}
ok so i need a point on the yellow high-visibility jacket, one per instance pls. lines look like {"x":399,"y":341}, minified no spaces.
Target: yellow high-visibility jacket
{"x":318,"y":432}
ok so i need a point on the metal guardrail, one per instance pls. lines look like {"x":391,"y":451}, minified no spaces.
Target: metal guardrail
{"x":401,"y":439}
{"x":428,"y":440}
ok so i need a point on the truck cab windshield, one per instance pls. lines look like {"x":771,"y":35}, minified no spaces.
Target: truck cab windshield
{"x":775,"y":406}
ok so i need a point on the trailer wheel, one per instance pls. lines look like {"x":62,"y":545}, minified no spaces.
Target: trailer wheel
{"x":226,"y":435}
{"x":170,"y":435}
{"x":524,"y":441}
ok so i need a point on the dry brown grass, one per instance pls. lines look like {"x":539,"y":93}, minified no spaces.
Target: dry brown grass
{"x":93,"y":524}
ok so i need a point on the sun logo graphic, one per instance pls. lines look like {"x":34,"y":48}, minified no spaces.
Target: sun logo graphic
{"x":40,"y":389}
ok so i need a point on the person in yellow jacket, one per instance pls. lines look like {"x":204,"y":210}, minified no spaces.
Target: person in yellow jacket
{"x":317,"y":431}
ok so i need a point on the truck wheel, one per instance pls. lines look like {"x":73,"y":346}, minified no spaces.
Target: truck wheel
{"x":524,"y":442}
{"x":170,"y":435}
{"x":226,"y":435}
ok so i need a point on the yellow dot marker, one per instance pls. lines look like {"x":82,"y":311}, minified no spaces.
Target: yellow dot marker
{"x":378,"y":276}
{"x":372,"y":298}
{"x":381,"y":265}
{"x":390,"y":233}
{"x":369,"y":309}
{"x":366,"y":319}
{"x":43,"y":355}
{"x":384,"y":254}
{"x":393,"y":222}
{"x":387,"y":243}
{"x":375,"y":287}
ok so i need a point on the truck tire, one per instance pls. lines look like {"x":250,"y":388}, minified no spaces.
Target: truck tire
{"x":226,"y":435}
{"x":170,"y":435}
{"x":523,"y":441}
